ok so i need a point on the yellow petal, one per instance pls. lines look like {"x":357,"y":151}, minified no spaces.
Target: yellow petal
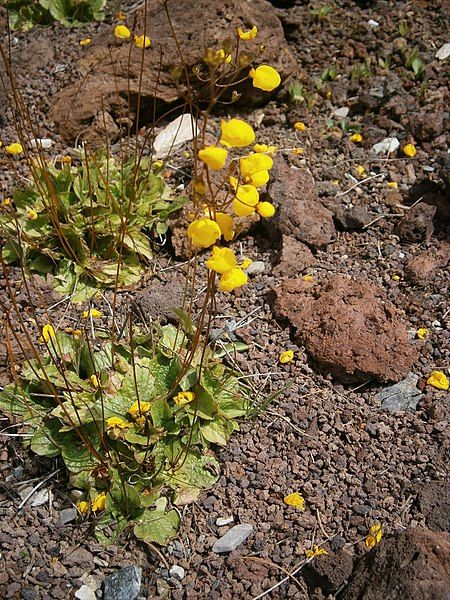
{"x":295,"y":499}
{"x":247,"y":35}
{"x":203,"y":233}
{"x":221,"y":260}
{"x":183,"y":398}
{"x":122,"y":32}
{"x":286,"y":357}
{"x":265,"y":78}
{"x":265,"y":209}
{"x":438,"y":380}
{"x":409,"y":150}
{"x":236,"y":133}
{"x":422,"y":333}
{"x":14,"y":149}
{"x":232,"y":280}
{"x":99,"y":502}
{"x":142,"y":41}
{"x":214,"y":157}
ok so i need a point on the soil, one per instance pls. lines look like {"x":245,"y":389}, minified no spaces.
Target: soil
{"x":354,"y":463}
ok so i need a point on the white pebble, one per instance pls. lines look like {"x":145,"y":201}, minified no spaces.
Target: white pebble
{"x":177,"y":572}
{"x":444,"y":52}
{"x":221,"y":521}
{"x":44,"y":143}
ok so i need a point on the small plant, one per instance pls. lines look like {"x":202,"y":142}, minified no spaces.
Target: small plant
{"x":25,"y":14}
{"x":131,"y":425}
{"x":385,"y":62}
{"x":403,"y":28}
{"x":415,"y":63}
{"x":330,"y":73}
{"x":361,"y":70}
{"x":321,"y":13}
{"x":89,"y":224}
{"x":297,"y":93}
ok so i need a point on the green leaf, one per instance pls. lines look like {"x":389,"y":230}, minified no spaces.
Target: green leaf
{"x":125,"y":499}
{"x":157,"y":526}
{"x":216,"y":432}
{"x":14,"y":400}
{"x":230,"y":348}
{"x":197,"y":471}
{"x":46,"y":440}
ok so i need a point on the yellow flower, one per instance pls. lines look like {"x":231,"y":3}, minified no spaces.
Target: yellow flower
{"x":392,"y":184}
{"x":142,"y":41}
{"x":422,"y":333}
{"x":375,"y":535}
{"x":396,"y":277}
{"x":215,"y":158}
{"x":295,"y":500}
{"x":286,"y":357}
{"x":66,"y":160}
{"x":297,"y":151}
{"x":203,"y":233}
{"x":221,"y":260}
{"x":83,"y":507}
{"x":265,"y":78}
{"x":409,"y":150}
{"x":265,"y":209}
{"x":223,"y":57}
{"x":356,"y":137}
{"x":232,"y":280}
{"x":438,"y":380}
{"x":139,"y":408}
{"x":32,"y":215}
{"x":255,"y":162}
{"x":14,"y":149}
{"x":246,"y":263}
{"x":75,"y":332}
{"x":226,"y":225}
{"x":360,"y":170}
{"x":247,"y":198}
{"x":236,"y":133}
{"x":99,"y":502}
{"x":94,"y":380}
{"x":117,"y":422}
{"x":48,"y":333}
{"x":6,"y":202}
{"x":308,"y":278}
{"x":122,"y":32}
{"x":247,"y":35}
{"x":265,"y":148}
{"x":85,"y":42}
{"x":92,"y":312}
{"x":183,"y":398}
{"x":316,"y":551}
{"x":299,"y":126}
{"x":260,"y":147}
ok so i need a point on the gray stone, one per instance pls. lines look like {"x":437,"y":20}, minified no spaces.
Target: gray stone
{"x":177,"y":572}
{"x":256,"y":268}
{"x":18,"y":473}
{"x":388,"y":145}
{"x":124,"y":584}
{"x":221,"y":521}
{"x":401,"y":396}
{"x":39,"y":497}
{"x":67,"y":516}
{"x":85,"y":593}
{"x":233,"y":538}
{"x":444,"y":52}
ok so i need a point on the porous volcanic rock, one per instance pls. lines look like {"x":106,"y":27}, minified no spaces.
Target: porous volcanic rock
{"x":347,"y":327}
{"x":419,"y":269}
{"x":417,"y":224}
{"x":300,"y":213}
{"x":330,"y":572}
{"x":158,"y":300}
{"x":434,"y":502}
{"x":113,"y":78}
{"x":412,"y":565}
{"x":294,"y":258}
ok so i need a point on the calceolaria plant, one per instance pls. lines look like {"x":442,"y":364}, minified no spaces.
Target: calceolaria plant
{"x":89,"y":225}
{"x":25,"y":14}
{"x":132,"y":426}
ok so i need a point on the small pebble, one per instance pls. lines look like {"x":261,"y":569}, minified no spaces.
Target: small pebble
{"x":177,"y":572}
{"x":221,"y":521}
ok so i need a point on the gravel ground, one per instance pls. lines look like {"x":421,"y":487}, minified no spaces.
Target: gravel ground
{"x":353,"y":462}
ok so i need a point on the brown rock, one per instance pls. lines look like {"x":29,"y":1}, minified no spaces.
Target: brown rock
{"x":426,"y":124}
{"x":417,"y":224}
{"x":347,"y":328}
{"x":356,"y":217}
{"x":420,"y":269}
{"x":158,"y":300}
{"x":113,"y":77}
{"x":412,"y":565}
{"x":434,"y":502}
{"x":294,"y":258}
{"x":329,"y":572}
{"x":300,"y":214}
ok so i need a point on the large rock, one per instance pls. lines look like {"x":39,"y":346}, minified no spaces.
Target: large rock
{"x":417,"y":225}
{"x":347,"y":327}
{"x":294,"y":258}
{"x":113,"y":78}
{"x":419,"y":269}
{"x":412,"y":565}
{"x":300,"y":213}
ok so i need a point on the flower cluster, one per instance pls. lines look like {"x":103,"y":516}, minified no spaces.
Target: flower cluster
{"x":245,"y":177}
{"x":121,"y":32}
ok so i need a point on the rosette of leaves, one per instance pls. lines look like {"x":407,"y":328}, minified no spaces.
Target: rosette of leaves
{"x":25,"y":14}
{"x":92,"y":224}
{"x":76,"y":403}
